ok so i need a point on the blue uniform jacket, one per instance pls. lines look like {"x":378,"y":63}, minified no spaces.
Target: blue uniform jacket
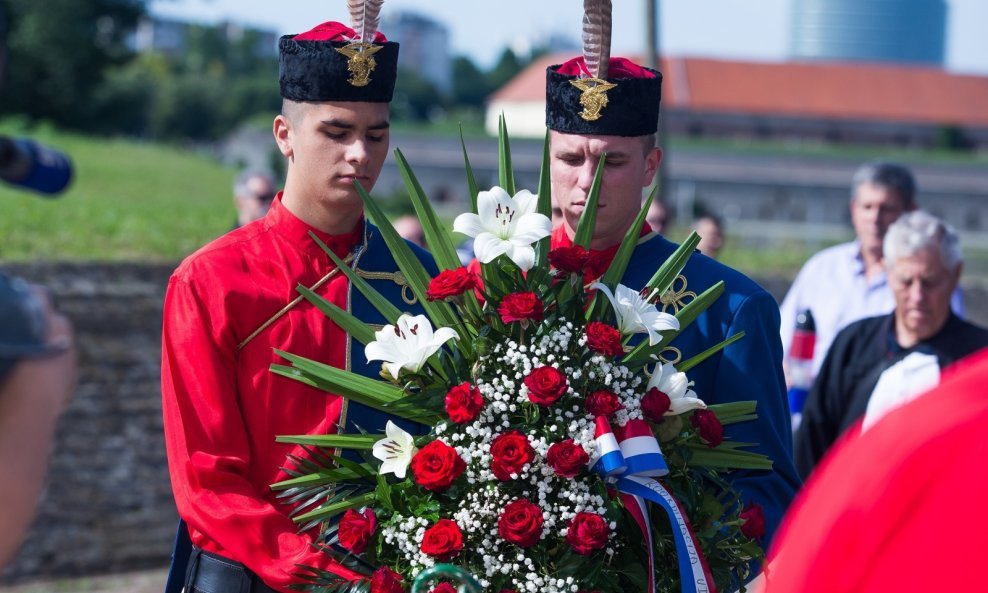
{"x":749,"y":369}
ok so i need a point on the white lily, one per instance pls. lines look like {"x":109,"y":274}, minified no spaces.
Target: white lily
{"x":673,"y":383}
{"x":407,"y":344}
{"x":395,"y":450}
{"x":635,"y":315}
{"x":505,"y":225}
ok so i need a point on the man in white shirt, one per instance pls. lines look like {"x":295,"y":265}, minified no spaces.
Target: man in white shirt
{"x":847,"y":282}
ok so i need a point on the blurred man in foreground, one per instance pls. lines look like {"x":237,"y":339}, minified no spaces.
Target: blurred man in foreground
{"x":37,"y":380}
{"x":900,"y":507}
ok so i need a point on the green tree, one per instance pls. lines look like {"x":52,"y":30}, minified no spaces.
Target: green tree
{"x":124,"y":102}
{"x":415,"y":97}
{"x":470,"y":85}
{"x":508,"y":66}
{"x":59,"y":52}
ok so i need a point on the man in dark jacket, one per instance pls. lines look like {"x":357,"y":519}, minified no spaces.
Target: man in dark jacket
{"x":880,"y":363}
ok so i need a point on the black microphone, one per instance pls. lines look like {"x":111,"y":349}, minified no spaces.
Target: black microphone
{"x":34,"y":166}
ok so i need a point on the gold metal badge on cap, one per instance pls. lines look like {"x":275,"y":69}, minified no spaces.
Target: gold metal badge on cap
{"x":361,"y":61}
{"x":594,"y":96}
{"x":596,"y":58}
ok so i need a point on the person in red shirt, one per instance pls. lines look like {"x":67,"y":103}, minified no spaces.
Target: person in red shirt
{"x":898,"y":507}
{"x":233,"y":302}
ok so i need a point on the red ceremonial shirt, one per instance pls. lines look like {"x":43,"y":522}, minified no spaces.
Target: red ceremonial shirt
{"x":601,"y":259}
{"x":899,"y":507}
{"x":222,"y":405}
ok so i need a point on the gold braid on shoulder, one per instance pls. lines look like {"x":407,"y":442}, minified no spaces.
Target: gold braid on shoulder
{"x":329,"y":276}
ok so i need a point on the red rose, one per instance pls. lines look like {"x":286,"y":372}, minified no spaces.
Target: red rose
{"x":443,"y":588}
{"x":520,"y":523}
{"x":604,"y":339}
{"x":545,"y":385}
{"x":443,"y":541}
{"x":655,"y":404}
{"x":570,"y":260}
{"x":602,"y":403}
{"x":521,"y":306}
{"x":356,"y":529}
{"x":597,"y":264}
{"x":463,"y":403}
{"x":587,"y":533}
{"x":510,"y":452}
{"x":567,"y":458}
{"x":436,"y":465}
{"x":754,"y":521}
{"x":709,"y":427}
{"x":451,"y":283}
{"x":386,"y":580}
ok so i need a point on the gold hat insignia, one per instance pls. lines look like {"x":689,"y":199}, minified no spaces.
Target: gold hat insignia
{"x":361,"y":61}
{"x":594,"y":96}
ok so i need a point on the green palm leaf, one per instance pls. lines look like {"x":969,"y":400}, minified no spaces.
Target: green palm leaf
{"x":383,"y":305}
{"x":588,"y":219}
{"x":439,"y":241}
{"x":544,"y":205}
{"x":360,"y":442}
{"x":346,"y":320}
{"x":472,"y":189}
{"x":506,"y":175}
{"x":441,"y":314}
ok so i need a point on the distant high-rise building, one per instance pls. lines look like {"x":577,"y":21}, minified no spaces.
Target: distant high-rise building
{"x":424,"y":46}
{"x":904,"y":31}
{"x":171,"y":36}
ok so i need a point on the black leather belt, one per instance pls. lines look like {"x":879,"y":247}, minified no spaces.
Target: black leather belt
{"x":212,"y":573}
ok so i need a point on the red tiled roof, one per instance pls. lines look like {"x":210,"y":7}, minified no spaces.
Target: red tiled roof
{"x":801,"y":89}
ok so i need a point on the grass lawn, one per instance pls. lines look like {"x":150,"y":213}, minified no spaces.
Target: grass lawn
{"x":127,"y":201}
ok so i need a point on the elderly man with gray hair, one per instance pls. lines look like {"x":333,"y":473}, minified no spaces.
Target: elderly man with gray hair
{"x":879,"y":363}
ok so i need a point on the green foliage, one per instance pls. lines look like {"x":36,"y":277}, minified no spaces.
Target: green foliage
{"x":507,"y":67}
{"x":470,"y":85}
{"x":128,"y":201}
{"x":415,"y":97}
{"x":59,"y":53}
{"x":58,"y":73}
{"x":123,"y":104}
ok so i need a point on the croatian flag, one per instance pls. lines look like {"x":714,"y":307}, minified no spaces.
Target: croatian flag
{"x":641,"y":449}
{"x":610,"y":461}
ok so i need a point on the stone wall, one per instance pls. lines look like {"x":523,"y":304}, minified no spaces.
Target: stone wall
{"x":108,"y":505}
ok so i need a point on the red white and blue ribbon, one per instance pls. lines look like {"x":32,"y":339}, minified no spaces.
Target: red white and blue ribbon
{"x":641,"y":450}
{"x":610,"y":460}
{"x":632,"y":459}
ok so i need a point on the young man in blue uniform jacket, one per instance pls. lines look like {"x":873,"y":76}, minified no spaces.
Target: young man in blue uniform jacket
{"x":623,"y":126}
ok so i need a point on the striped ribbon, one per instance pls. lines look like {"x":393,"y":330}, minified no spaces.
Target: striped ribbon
{"x":632,"y":459}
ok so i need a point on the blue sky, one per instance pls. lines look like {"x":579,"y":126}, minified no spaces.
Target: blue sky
{"x":741,"y":29}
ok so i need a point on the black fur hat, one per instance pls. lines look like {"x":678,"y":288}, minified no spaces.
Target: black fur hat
{"x":626,"y":103}
{"x":324,"y":64}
